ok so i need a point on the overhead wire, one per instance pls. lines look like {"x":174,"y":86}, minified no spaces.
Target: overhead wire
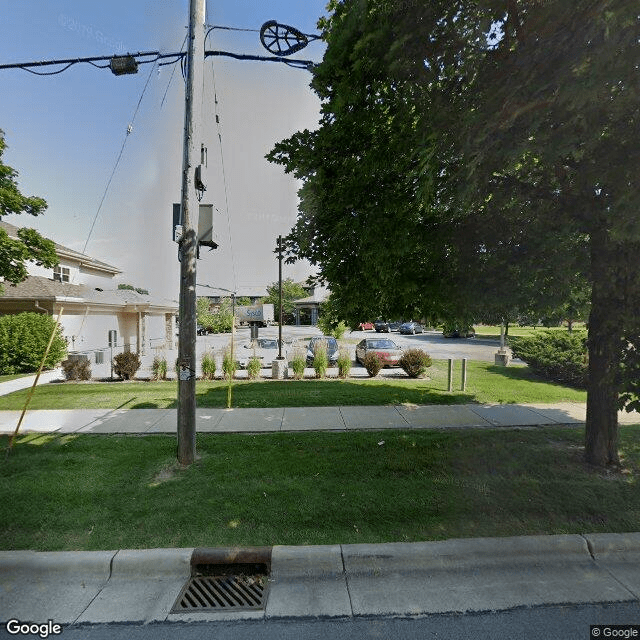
{"x":173,"y":71}
{"x":115,"y":167}
{"x":224,"y":178}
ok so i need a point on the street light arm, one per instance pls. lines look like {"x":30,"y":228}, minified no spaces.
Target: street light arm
{"x":300,"y":64}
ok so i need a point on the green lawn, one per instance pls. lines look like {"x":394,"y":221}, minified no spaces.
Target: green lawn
{"x":111,"y":492}
{"x":14,"y":376}
{"x":486,"y":383}
{"x":493,"y":331}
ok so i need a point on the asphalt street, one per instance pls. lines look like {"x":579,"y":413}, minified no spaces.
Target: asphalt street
{"x":538,"y":623}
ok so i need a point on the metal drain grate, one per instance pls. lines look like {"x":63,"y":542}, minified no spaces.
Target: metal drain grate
{"x":207,"y":593}
{"x":226,"y":578}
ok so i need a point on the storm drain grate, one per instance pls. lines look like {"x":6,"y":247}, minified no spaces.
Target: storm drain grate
{"x":204,"y":593}
{"x":226,"y":579}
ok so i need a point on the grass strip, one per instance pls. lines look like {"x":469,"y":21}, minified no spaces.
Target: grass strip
{"x":486,"y":383}
{"x":75,"y":492}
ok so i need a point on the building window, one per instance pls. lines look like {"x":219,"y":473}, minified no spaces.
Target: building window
{"x":99,"y":357}
{"x":61,"y":274}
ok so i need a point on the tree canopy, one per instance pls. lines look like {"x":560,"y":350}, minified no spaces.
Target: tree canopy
{"x":477,"y":159}
{"x":29,"y":245}
{"x":290,"y":291}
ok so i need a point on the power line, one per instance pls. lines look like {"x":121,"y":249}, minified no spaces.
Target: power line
{"x":140,"y":57}
{"x":173,"y":71}
{"x":224,"y":177}
{"x":124,"y":142}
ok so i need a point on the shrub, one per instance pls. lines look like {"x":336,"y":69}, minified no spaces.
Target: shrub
{"x":415,"y":362}
{"x":23,"y":342}
{"x":126,"y":365}
{"x":556,"y":355}
{"x":330,"y":328}
{"x":372,"y":363}
{"x":159,"y":368}
{"x":208,"y":366}
{"x":320,"y":358}
{"x":298,"y":364}
{"x":253,"y":367}
{"x":344,"y":363}
{"x":229,"y":365}
{"x":77,"y":369}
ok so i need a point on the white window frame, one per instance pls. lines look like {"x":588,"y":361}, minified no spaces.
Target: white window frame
{"x":61,"y":274}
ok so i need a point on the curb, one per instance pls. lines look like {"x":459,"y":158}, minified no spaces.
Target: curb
{"x":351,"y":580}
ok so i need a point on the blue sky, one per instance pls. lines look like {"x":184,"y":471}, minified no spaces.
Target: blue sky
{"x":65,"y":132}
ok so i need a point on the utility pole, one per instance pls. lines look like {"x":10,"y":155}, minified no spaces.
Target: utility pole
{"x":188,"y":247}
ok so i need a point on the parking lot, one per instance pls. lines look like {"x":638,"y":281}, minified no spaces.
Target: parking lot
{"x":434,"y":343}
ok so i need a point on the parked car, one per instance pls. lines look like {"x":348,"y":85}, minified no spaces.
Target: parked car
{"x":266,"y":349}
{"x":366,"y":326}
{"x":388,"y":351}
{"x":332,"y":350}
{"x":411,"y":328}
{"x":456,"y":331}
{"x":386,"y":327}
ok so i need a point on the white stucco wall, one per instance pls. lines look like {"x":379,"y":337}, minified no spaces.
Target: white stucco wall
{"x":88,"y":332}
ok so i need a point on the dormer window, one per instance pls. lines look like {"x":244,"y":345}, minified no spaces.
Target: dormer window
{"x":61,"y":274}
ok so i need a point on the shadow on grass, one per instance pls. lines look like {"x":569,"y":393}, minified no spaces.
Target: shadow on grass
{"x":527,"y":374}
{"x":153,"y":405}
{"x":319,"y":393}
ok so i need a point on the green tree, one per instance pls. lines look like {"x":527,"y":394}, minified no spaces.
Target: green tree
{"x":220,"y":321}
{"x":23,"y":341}
{"x":29,"y":246}
{"x":130,"y":287}
{"x":478,"y":158}
{"x":329,"y":321}
{"x":290,"y":291}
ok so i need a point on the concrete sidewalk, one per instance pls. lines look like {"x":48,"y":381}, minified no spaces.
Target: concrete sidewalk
{"x":349,"y":418}
{"x":26,"y":382}
{"x":398,"y":579}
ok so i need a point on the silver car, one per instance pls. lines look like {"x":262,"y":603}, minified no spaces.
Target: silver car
{"x":265,"y":349}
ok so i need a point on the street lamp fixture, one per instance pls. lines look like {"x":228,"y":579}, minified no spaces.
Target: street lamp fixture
{"x":283,"y":40}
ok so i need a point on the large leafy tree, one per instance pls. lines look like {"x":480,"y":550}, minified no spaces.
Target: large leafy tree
{"x":29,"y":245}
{"x":479,"y":158}
{"x":290,"y":291}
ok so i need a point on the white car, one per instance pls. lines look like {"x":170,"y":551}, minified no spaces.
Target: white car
{"x":266,"y":349}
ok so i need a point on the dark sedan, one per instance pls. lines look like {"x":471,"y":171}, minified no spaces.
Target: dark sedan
{"x":332,"y":349}
{"x":386,"y":327}
{"x":387,"y":350}
{"x":411,"y":328}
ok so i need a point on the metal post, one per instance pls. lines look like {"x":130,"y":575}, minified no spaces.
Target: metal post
{"x":280,"y":290}
{"x":187,"y":250}
{"x":450,"y":382}
{"x":463,"y":386}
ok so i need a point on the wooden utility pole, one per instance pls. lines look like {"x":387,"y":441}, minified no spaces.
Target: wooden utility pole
{"x":188,"y":246}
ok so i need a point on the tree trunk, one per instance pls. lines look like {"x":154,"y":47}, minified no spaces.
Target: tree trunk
{"x":605,"y":333}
